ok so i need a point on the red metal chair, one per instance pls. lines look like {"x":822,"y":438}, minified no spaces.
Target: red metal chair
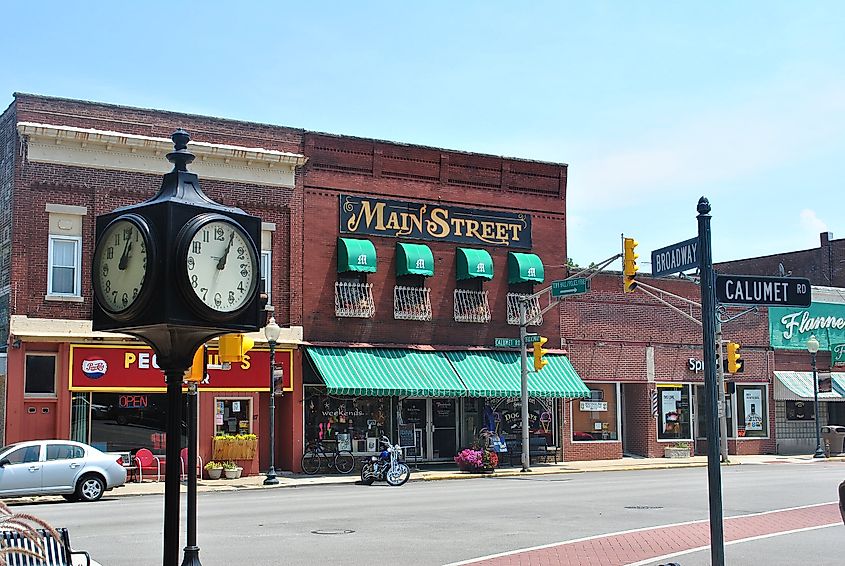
{"x":183,"y":458}
{"x":146,"y":461}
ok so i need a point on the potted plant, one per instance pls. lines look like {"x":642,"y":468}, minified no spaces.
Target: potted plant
{"x":471,"y":460}
{"x":677,"y":450}
{"x":232,"y":470}
{"x":214,"y":470}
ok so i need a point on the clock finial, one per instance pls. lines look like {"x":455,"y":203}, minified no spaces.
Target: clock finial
{"x":180,"y":157}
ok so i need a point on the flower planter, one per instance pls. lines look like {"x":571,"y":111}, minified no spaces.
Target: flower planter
{"x":233,"y":474}
{"x":673,"y":452}
{"x":214,"y":473}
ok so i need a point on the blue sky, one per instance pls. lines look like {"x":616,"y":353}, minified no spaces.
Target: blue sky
{"x":652,"y":104}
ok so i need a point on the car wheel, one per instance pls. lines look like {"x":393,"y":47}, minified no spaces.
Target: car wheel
{"x":90,"y":488}
{"x":71,"y":497}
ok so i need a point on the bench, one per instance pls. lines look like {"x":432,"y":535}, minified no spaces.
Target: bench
{"x":537,"y":447}
{"x":57,"y":552}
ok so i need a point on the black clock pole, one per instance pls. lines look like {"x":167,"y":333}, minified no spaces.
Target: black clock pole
{"x":172,"y":467}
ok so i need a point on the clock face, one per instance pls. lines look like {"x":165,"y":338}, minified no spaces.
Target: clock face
{"x":221,"y":266}
{"x":120,"y":265}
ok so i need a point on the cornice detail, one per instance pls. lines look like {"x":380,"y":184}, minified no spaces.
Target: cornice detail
{"x":100,"y":149}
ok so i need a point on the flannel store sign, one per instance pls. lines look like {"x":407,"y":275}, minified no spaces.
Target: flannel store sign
{"x":420,"y":221}
{"x":790,"y":327}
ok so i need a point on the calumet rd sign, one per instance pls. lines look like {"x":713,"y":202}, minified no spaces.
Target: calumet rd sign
{"x":764,"y":291}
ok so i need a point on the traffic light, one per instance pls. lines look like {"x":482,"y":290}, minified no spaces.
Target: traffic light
{"x":539,"y":352}
{"x":734,"y":358}
{"x":196,"y":371}
{"x":233,"y":347}
{"x":629,"y":264}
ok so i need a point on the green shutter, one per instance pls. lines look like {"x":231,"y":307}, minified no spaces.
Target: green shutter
{"x":414,"y":259}
{"x":474,"y":263}
{"x":355,"y":255}
{"x":525,"y":268}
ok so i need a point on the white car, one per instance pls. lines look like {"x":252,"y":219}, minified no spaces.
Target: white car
{"x":58,"y":467}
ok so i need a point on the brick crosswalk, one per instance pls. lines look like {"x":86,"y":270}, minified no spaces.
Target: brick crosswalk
{"x":632,"y":547}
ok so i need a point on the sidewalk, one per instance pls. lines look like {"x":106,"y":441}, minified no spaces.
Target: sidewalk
{"x":448,"y":472}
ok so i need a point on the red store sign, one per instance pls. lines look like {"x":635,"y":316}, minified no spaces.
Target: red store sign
{"x":122,"y":368}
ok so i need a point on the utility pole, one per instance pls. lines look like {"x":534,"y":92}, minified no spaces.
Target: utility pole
{"x":723,"y":415}
{"x":523,"y":388}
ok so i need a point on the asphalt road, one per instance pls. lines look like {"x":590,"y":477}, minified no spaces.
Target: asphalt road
{"x":435,"y":523}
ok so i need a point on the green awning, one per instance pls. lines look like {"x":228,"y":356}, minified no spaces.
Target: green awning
{"x":497,"y":374}
{"x":355,"y":255}
{"x":414,"y":259}
{"x":525,"y":268}
{"x":474,"y":263}
{"x":799,"y":386}
{"x":386,"y":372}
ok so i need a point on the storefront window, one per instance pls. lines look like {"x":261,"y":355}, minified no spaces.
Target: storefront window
{"x":124,"y":422}
{"x":348,"y":423}
{"x":751,"y":411}
{"x":594,"y":418}
{"x":674,"y":412}
{"x":233,"y":416}
{"x":506,"y":417}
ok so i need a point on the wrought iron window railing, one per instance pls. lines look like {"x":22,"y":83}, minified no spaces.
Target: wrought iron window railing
{"x":411,"y":303}
{"x":471,"y":306}
{"x":532,"y":312}
{"x":353,"y":299}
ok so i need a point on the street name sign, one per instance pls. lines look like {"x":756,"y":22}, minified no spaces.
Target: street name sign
{"x":531,"y":338}
{"x":765,"y":291}
{"x":574,"y":286}
{"x":675,"y":258}
{"x":507,"y":343}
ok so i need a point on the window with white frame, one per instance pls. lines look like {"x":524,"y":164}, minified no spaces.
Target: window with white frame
{"x":64,"y":266}
{"x":266,"y":273}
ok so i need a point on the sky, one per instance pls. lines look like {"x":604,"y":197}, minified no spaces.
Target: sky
{"x":651,"y":104}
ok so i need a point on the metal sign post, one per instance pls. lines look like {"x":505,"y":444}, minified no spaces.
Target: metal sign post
{"x":523,"y":389}
{"x":711,"y":390}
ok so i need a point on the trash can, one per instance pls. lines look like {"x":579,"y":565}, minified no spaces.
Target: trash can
{"x":833,"y":437}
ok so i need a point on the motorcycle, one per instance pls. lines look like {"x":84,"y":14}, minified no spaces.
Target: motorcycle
{"x":388,"y":466}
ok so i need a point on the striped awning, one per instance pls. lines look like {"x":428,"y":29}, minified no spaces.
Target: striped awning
{"x":390,"y":372}
{"x":497,"y":374}
{"x":799,"y":386}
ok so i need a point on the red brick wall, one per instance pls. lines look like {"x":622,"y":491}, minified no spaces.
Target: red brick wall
{"x":7,"y":175}
{"x":352,"y":166}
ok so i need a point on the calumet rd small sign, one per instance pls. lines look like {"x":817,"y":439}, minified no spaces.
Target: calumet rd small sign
{"x":764,"y":291}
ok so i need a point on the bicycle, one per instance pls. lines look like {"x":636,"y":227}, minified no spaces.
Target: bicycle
{"x":315,"y":455}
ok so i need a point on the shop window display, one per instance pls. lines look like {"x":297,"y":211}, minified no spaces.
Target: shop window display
{"x":752,"y":411}
{"x":347,"y":423}
{"x":503,"y":417}
{"x":674,"y":412}
{"x":594,"y":418}
{"x":233,"y":416}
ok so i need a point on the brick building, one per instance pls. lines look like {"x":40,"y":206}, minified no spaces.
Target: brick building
{"x":789,"y":332}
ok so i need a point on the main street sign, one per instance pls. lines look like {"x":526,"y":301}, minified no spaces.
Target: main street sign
{"x":675,"y":258}
{"x":574,"y":286}
{"x":507,"y":343}
{"x":765,"y":291}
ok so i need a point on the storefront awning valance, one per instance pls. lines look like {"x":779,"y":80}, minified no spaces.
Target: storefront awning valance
{"x":386,"y":372}
{"x":497,"y":374}
{"x":414,"y":259}
{"x":355,"y":255}
{"x":525,"y":268}
{"x":474,"y":263}
{"x":798,"y":386}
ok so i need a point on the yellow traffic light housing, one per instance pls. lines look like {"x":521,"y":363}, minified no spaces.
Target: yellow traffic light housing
{"x":629,"y":264}
{"x":197,"y":370}
{"x":539,"y":352}
{"x":233,"y":347}
{"x":734,"y":358}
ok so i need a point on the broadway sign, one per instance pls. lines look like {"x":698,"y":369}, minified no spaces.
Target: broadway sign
{"x":421,"y":221}
{"x":675,"y":258}
{"x":764,"y":291}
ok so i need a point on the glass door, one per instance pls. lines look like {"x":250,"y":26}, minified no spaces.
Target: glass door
{"x":444,"y":429}
{"x":415,"y":412}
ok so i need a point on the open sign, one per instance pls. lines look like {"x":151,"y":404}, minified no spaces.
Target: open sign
{"x":133,"y":401}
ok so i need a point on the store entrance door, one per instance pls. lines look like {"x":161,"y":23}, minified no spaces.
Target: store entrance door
{"x":437,"y":419}
{"x":444,"y":429}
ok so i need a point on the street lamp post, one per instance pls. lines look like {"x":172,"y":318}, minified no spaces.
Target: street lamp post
{"x":271,"y":332}
{"x":813,"y":348}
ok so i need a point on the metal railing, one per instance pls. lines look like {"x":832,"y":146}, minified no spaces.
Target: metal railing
{"x":533,"y":314}
{"x":411,"y":303}
{"x":471,"y":306}
{"x":353,"y":299}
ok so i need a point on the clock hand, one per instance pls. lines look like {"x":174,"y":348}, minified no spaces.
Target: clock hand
{"x":221,"y":263}
{"x":121,"y":265}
